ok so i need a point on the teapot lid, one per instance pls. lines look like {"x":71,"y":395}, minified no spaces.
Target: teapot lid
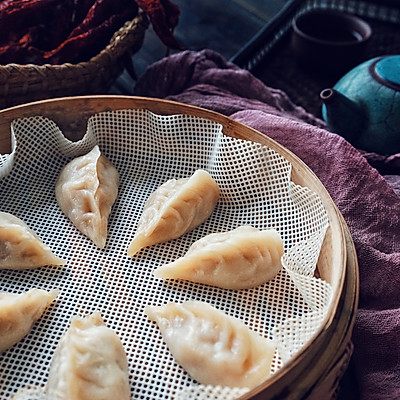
{"x":387,"y":71}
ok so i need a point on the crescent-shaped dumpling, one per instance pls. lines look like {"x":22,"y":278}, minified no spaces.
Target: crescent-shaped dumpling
{"x":89,"y":363}
{"x":86,"y":190}
{"x":20,"y":246}
{"x":243,"y":258}
{"x":212,"y":347}
{"x":18,"y":313}
{"x":176,"y":207}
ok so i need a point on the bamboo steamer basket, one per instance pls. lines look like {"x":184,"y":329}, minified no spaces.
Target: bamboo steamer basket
{"x":315,"y":372}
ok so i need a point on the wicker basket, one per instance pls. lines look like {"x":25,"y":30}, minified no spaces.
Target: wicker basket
{"x":315,"y":372}
{"x":25,"y":83}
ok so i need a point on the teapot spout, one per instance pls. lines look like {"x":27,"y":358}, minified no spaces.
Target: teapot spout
{"x":342,"y":115}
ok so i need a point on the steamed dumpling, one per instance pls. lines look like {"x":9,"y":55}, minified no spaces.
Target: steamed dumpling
{"x":240,"y":259}
{"x":18,"y":313}
{"x":176,"y":207}
{"x":20,"y":247}
{"x":89,"y":363}
{"x":213,"y":347}
{"x":86,"y":191}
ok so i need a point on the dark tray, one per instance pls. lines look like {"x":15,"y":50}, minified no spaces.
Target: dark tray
{"x":269,"y":57}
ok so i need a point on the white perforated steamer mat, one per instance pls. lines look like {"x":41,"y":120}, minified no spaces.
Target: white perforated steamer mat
{"x":149,"y":149}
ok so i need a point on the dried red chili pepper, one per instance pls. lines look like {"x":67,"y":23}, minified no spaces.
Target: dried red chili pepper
{"x":102,"y":9}
{"x":164,"y":17}
{"x":20,"y":51}
{"x":81,"y":8}
{"x":87,"y":44}
{"x":57,"y":25}
{"x":57,"y":31}
{"x":172,"y":13}
{"x":12,"y":54}
{"x":18,"y":14}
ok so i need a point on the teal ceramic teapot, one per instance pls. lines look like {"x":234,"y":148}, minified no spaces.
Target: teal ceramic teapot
{"x":364,"y":105}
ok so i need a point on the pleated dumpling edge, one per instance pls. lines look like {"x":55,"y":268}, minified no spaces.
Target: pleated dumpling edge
{"x":175,"y":208}
{"x":86,"y":190}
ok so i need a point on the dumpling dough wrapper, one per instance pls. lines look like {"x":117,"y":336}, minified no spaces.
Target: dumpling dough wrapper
{"x":86,"y":190}
{"x":176,"y":207}
{"x":18,"y":313}
{"x":89,"y":363}
{"x":213,"y":347}
{"x":243,"y":258}
{"x":21,"y":247}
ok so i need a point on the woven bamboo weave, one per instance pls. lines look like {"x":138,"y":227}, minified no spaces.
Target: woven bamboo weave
{"x":25,"y":83}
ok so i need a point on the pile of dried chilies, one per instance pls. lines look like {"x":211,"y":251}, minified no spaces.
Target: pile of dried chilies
{"x":59,"y":31}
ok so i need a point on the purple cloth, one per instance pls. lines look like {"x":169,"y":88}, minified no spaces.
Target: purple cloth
{"x":366,"y":199}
